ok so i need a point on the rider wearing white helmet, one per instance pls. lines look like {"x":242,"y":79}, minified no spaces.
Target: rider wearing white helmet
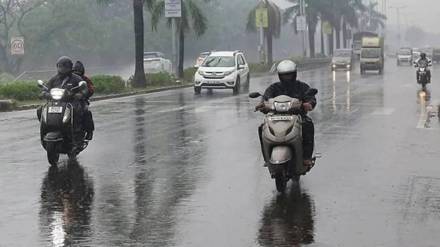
{"x":289,"y":85}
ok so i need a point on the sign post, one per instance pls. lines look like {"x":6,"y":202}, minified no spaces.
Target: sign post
{"x":262,"y":22}
{"x":173,"y":10}
{"x":17,"y":46}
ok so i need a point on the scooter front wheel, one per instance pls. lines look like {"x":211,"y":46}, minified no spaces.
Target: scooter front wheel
{"x":280,"y":182}
{"x":52,"y":156}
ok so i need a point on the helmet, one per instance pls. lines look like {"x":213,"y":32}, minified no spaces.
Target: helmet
{"x":78,"y":68}
{"x":64,"y":65}
{"x":287,"y":71}
{"x":423,"y":55}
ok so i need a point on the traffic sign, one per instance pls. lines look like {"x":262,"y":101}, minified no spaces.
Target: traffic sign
{"x":262,"y":18}
{"x":17,"y":46}
{"x":301,"y":23}
{"x":173,"y":8}
{"x":327,"y":27}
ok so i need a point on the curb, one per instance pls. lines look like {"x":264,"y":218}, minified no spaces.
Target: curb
{"x":97,"y":98}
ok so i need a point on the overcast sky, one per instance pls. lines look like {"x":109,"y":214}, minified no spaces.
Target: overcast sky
{"x":422,"y":13}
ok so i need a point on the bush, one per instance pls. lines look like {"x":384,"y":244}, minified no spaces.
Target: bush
{"x":23,"y":90}
{"x":188,"y":74}
{"x":161,"y":79}
{"x":107,"y":84}
{"x":259,"y":68}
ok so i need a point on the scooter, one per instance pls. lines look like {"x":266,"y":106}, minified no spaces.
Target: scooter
{"x":422,"y":73}
{"x":60,"y":131}
{"x":281,"y":138}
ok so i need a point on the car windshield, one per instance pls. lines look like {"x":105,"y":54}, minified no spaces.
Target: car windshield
{"x":151,"y":55}
{"x":218,"y":61}
{"x":405,"y":52}
{"x":342,"y":54}
{"x":370,"y":53}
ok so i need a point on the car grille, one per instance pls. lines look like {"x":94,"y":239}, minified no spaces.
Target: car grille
{"x":214,"y":75}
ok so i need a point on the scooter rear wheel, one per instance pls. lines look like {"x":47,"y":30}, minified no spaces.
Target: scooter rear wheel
{"x":52,"y":156}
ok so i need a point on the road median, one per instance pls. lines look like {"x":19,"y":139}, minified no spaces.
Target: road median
{"x":23,"y":96}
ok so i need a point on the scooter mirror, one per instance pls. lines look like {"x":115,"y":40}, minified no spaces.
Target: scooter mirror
{"x":311,"y":92}
{"x":82,"y":84}
{"x":254,"y":95}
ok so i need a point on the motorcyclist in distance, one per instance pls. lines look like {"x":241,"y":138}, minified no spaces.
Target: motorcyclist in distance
{"x":425,"y":62}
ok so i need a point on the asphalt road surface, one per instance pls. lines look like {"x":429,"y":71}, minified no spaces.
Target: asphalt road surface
{"x":175,"y":169}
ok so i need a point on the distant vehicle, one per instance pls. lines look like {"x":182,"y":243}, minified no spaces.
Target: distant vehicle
{"x":201,"y":58}
{"x":415,"y":54}
{"x":357,"y":41}
{"x":436,"y":55}
{"x":222,"y":70}
{"x":372,"y":54}
{"x":404,"y":55}
{"x":155,"y":62}
{"x":342,"y":59}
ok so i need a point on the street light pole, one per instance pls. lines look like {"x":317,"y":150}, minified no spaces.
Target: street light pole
{"x":399,"y":35}
{"x":304,"y":37}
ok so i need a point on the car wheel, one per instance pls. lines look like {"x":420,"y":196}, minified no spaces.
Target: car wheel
{"x":236,"y":89}
{"x":197,"y":90}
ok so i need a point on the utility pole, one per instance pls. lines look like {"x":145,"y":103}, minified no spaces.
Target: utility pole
{"x":399,"y":35}
{"x":302,"y":11}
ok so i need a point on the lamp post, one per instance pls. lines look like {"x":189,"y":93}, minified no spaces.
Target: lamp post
{"x":399,"y":35}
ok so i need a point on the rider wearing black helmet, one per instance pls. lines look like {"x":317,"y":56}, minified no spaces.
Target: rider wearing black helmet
{"x":425,"y":62}
{"x":289,"y":85}
{"x":64,"y":78}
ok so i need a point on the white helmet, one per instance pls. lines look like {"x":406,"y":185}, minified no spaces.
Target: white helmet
{"x":286,"y":67}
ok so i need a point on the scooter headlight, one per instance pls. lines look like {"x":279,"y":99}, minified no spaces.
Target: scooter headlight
{"x":282,"y":106}
{"x":66,"y":117}
{"x":57,"y":93}
{"x":422,"y":69}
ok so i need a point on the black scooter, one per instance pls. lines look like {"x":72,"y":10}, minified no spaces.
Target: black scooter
{"x":60,"y":131}
{"x":422,"y":74}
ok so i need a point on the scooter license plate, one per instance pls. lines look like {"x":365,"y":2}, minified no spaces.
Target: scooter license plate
{"x":55,"y":109}
{"x":281,"y":118}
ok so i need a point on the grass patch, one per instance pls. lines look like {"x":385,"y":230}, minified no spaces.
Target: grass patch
{"x":107,"y":84}
{"x":20,"y":90}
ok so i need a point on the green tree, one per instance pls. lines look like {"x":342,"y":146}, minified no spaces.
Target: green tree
{"x":313,"y":12}
{"x":12,"y":15}
{"x":274,"y":28}
{"x":139,"y":79}
{"x":372,"y":20}
{"x":192,"y":18}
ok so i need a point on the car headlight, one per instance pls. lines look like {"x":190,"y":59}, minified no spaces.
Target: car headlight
{"x":348,"y":66}
{"x":201,"y":73}
{"x":228,"y":72}
{"x":334,"y":65}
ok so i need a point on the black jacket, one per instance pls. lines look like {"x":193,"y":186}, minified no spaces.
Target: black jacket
{"x":294,"y":90}
{"x":65,"y":82}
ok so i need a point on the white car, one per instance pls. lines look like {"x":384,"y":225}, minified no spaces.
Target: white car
{"x":154,"y":62}
{"x":222,"y":70}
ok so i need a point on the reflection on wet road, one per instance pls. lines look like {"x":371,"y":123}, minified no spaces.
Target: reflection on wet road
{"x":66,"y":202}
{"x":288,"y":219}
{"x":174,"y":169}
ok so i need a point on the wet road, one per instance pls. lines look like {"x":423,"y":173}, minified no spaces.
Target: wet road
{"x":174,"y":169}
